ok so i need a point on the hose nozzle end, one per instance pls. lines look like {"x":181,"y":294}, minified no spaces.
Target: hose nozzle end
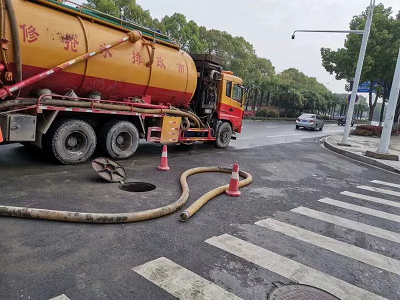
{"x":184,"y":216}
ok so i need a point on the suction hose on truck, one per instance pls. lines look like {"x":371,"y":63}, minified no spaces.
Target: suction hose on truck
{"x":112,"y":218}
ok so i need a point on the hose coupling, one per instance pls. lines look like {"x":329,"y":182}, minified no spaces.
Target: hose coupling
{"x":184,"y":216}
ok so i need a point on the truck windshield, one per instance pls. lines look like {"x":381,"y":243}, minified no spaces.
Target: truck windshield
{"x":237,"y":93}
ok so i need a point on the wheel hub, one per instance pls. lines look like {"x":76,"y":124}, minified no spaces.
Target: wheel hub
{"x":72,"y":142}
{"x":224,"y":136}
{"x":120,"y":140}
{"x":75,"y":142}
{"x":123,"y":141}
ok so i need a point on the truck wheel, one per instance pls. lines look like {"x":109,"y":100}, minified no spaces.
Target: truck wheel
{"x":223,"y":136}
{"x":72,"y":141}
{"x":119,"y":139}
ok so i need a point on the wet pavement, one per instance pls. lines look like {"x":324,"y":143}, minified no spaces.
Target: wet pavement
{"x":307,"y":218}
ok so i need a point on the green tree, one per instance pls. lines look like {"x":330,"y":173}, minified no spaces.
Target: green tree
{"x":186,"y":34}
{"x":125,"y":9}
{"x":291,"y":90}
{"x":379,"y":62}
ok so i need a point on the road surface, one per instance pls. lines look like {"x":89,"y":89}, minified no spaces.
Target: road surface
{"x":259,"y":133}
{"x":310,"y":216}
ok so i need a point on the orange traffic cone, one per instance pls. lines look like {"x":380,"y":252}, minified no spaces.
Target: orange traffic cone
{"x":164,"y":160}
{"x":233,"y":189}
{"x":1,"y":135}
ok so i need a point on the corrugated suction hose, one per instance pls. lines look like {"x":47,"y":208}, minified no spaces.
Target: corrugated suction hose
{"x":110,"y":218}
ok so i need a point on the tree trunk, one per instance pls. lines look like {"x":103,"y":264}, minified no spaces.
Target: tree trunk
{"x":262,"y":98}
{"x":247,"y":100}
{"x":371,"y":104}
{"x":268,"y":98}
{"x":254,"y":100}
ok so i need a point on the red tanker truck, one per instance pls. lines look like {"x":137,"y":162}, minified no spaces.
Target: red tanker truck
{"x":73,"y":79}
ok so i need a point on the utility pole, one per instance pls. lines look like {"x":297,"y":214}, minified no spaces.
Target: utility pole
{"x":360,"y":63}
{"x":390,"y":111}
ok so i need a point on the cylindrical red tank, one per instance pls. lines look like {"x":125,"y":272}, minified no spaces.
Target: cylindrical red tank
{"x":49,"y":36}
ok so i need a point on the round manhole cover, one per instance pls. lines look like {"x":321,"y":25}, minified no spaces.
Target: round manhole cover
{"x":137,"y":187}
{"x":299,"y":292}
{"x":108,"y":169}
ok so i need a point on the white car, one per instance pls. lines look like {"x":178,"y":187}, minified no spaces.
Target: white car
{"x":311,"y":121}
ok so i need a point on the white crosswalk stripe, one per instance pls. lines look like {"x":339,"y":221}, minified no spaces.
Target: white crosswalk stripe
{"x":354,"y":252}
{"x":290,"y":268}
{"x":368,"y":229}
{"x":371,"y":199}
{"x":378,"y":190}
{"x":361,"y":209}
{"x":181,"y":282}
{"x":185,"y":284}
{"x":386,"y":183}
{"x":61,"y":297}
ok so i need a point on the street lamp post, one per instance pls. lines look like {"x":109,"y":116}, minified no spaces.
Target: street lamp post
{"x":361,"y":56}
{"x":390,"y":111}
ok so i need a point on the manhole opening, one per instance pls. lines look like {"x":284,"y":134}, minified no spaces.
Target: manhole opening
{"x":137,"y":187}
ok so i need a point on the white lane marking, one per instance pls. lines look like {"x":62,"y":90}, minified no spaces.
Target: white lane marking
{"x":290,"y":268}
{"x":372,"y":199}
{"x":361,"y":209}
{"x":180,"y":282}
{"x":61,"y":297}
{"x":378,"y":190}
{"x":368,"y":229}
{"x":386,"y":183}
{"x":282,"y":135}
{"x":374,"y":259}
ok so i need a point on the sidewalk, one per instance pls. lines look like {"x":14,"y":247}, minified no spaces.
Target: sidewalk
{"x":361,"y":144}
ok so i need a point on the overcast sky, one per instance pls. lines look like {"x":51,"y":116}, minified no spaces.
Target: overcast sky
{"x":268,"y":25}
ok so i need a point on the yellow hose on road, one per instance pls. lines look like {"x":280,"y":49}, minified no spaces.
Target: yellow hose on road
{"x":112,"y":218}
{"x":192,"y":209}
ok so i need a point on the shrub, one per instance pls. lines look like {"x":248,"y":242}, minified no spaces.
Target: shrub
{"x":362,"y":132}
{"x":369,"y":130}
{"x":268,"y":112}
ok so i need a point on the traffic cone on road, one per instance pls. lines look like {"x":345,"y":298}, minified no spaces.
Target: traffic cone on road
{"x":164,"y":160}
{"x":233,"y":189}
{"x":1,"y":135}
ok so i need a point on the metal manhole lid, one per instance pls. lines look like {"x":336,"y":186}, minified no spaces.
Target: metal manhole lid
{"x":299,"y":292}
{"x":108,"y":169}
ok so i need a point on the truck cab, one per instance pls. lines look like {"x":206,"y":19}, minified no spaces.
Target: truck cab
{"x":231,"y":104}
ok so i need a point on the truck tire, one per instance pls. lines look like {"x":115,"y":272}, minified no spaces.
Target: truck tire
{"x":223,"y":135}
{"x":72,"y":141}
{"x":119,"y":139}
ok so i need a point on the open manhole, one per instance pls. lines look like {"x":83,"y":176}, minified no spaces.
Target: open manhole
{"x":299,"y":292}
{"x":113,"y":172}
{"x":137,"y":187}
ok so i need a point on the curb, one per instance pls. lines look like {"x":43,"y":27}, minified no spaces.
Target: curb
{"x":358,"y":157}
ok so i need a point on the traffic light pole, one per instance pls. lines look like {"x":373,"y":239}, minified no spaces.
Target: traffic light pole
{"x":358,"y":73}
{"x":390,"y":111}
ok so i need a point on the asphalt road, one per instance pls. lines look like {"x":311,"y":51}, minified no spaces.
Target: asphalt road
{"x":318,"y":223}
{"x":259,"y":133}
